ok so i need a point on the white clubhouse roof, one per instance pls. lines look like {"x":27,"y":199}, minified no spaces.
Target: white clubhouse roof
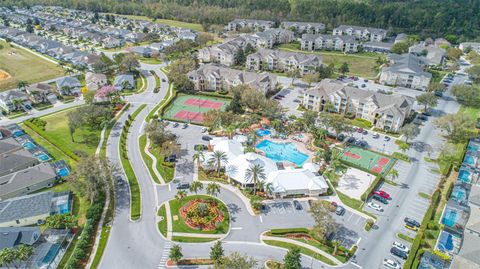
{"x":295,"y":180}
{"x":237,"y":168}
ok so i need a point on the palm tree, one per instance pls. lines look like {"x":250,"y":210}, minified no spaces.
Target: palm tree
{"x":196,"y":186}
{"x":198,"y":157}
{"x":213,"y":189}
{"x":24,"y":252}
{"x":335,"y":247}
{"x":180,"y":195}
{"x":255,"y":173}
{"x":22,"y":84}
{"x":218,"y":158}
{"x":393,"y":174}
{"x":229,"y":131}
{"x":17,"y":103}
{"x":7,"y":256}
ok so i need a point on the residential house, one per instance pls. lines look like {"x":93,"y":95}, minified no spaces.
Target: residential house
{"x":13,"y":100}
{"x":269,"y":38}
{"x":41,"y":93}
{"x":12,"y":237}
{"x":214,"y":77}
{"x":15,"y":161}
{"x":400,"y":38}
{"x":361,"y":33}
{"x":124,"y":82}
{"x":254,"y":25}
{"x":8,"y":144}
{"x":375,"y":46}
{"x":112,"y":42}
{"x":94,"y":81}
{"x":387,"y":112}
{"x":347,"y":44}
{"x":475,"y":46}
{"x":27,"y":181}
{"x":406,"y":70}
{"x":283,"y":61}
{"x":222,"y":53}
{"x":142,"y":51}
{"x":68,"y":86}
{"x":135,"y":37}
{"x":430,"y":54}
{"x":187,"y":34}
{"x":303,"y":27}
{"x":32,"y":209}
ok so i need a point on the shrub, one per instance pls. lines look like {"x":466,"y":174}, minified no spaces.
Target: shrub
{"x":288,"y":231}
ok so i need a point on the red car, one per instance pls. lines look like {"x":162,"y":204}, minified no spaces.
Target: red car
{"x":360,"y":130}
{"x":382,"y":194}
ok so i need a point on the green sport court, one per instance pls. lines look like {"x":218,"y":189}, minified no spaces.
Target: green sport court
{"x":368,"y":160}
{"x":190,"y":108}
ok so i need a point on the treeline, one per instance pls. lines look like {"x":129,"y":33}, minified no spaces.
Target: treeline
{"x":429,"y":18}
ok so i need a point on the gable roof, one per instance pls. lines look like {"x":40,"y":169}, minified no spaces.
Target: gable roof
{"x":27,"y":177}
{"x":13,"y":236}
{"x":26,"y":206}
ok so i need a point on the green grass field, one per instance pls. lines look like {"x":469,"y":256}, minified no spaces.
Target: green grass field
{"x":188,"y":25}
{"x":180,"y":105}
{"x":85,"y":139}
{"x":368,"y":160}
{"x":180,"y":226}
{"x":23,"y":65}
{"x":360,"y":64}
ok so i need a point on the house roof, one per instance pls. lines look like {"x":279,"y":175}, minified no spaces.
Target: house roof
{"x":296,"y":57}
{"x":26,"y":206}
{"x":375,"y":44}
{"x":12,"y":95}
{"x":68,"y":82}
{"x":237,"y":168}
{"x":361,"y":28}
{"x":24,"y":178}
{"x":9,"y":162}
{"x":473,"y":223}
{"x":474,"y":197}
{"x":120,"y":79}
{"x":8,"y":145}
{"x":13,"y":236}
{"x":96,"y":78}
{"x":406,"y":63}
{"x":283,"y":181}
{"x":332,"y":38}
{"x":288,"y":24}
{"x":469,"y":255}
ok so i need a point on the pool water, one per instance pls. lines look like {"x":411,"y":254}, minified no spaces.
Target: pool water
{"x":43,"y":157}
{"x":29,"y":145}
{"x":63,"y":208}
{"x":469,"y":160}
{"x":282,"y":152}
{"x":472,"y":148}
{"x":459,"y":194}
{"x":18,"y":133}
{"x":263,"y":132}
{"x":63,"y":172}
{"x":51,"y":254}
{"x":450,"y":217}
{"x":464,"y":176}
{"x":445,"y":242}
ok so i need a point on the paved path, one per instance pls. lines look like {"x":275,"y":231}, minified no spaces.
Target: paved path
{"x":199,"y":235}
{"x":154,"y":163}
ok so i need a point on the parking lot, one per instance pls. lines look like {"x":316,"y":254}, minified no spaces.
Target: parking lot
{"x":291,"y":100}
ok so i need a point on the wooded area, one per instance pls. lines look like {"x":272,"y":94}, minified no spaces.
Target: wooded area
{"x":429,"y":18}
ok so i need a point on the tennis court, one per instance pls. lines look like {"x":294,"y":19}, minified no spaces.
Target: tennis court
{"x":368,"y":160}
{"x":190,"y":108}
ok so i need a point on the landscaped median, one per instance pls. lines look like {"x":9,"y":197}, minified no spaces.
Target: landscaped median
{"x":135,"y":197}
{"x":195,"y":218}
{"x":324,"y":251}
{"x":160,"y":106}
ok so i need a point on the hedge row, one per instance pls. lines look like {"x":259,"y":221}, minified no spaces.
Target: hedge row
{"x":417,"y":242}
{"x":378,"y":180}
{"x":87,"y":237}
{"x":288,"y":231}
{"x":64,"y":149}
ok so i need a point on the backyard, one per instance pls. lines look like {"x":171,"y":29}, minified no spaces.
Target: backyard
{"x":360,"y":64}
{"x":13,"y":61}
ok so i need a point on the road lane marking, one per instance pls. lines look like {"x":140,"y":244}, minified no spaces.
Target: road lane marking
{"x":236,"y":228}
{"x":261,"y":219}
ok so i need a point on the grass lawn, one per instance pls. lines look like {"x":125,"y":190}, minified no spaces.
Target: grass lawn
{"x":303,"y":250}
{"x":185,"y":239}
{"x":180,"y":226}
{"x":14,"y":61}
{"x":405,"y":237}
{"x":150,"y":60}
{"x":360,"y":64}
{"x":162,"y":225}
{"x":193,"y":26}
{"x":473,"y":112}
{"x":165,"y":171}
{"x":142,"y":141}
{"x":85,"y":140}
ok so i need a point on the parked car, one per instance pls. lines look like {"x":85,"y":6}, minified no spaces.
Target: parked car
{"x":340,"y":210}
{"x":400,"y":246}
{"x":175,"y":125}
{"x":204,"y":129}
{"x":170,"y":159}
{"x":297,"y":205}
{"x":422,"y":117}
{"x":412,"y":222}
{"x":341,"y":137}
{"x":380,"y":199}
{"x":391,"y":264}
{"x":360,"y":130}
{"x":383,"y":194}
{"x":351,"y":140}
{"x":426,"y":113}
{"x":411,"y":227}
{"x":398,"y":253}
{"x":374,"y":206}
{"x":183,"y":186}
{"x":163,"y":80}
{"x":334,"y":203}
{"x":296,"y":101}
{"x":386,"y":138}
{"x":185,"y":125}
{"x":206,"y":138}
{"x":363,"y":86}
{"x":365,"y":132}
{"x":375,"y":135}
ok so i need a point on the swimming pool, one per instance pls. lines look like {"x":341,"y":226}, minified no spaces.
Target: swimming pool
{"x":472,"y":147}
{"x":43,"y":157}
{"x":469,"y":160}
{"x":29,"y":145}
{"x":63,"y":208}
{"x":445,"y":242}
{"x":263,"y":132}
{"x":51,"y":254}
{"x":63,"y":172}
{"x":464,"y":176}
{"x":282,"y":152}
{"x":450,"y":217}
{"x":459,"y":194}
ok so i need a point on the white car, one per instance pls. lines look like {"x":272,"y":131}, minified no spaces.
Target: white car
{"x":204,"y":129}
{"x":375,"y":206}
{"x":391,"y":264}
{"x":400,"y":246}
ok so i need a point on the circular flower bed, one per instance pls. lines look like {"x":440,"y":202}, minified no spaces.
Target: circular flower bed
{"x":201,"y":214}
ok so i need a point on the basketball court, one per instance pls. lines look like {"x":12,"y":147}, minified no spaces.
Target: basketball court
{"x":368,"y":160}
